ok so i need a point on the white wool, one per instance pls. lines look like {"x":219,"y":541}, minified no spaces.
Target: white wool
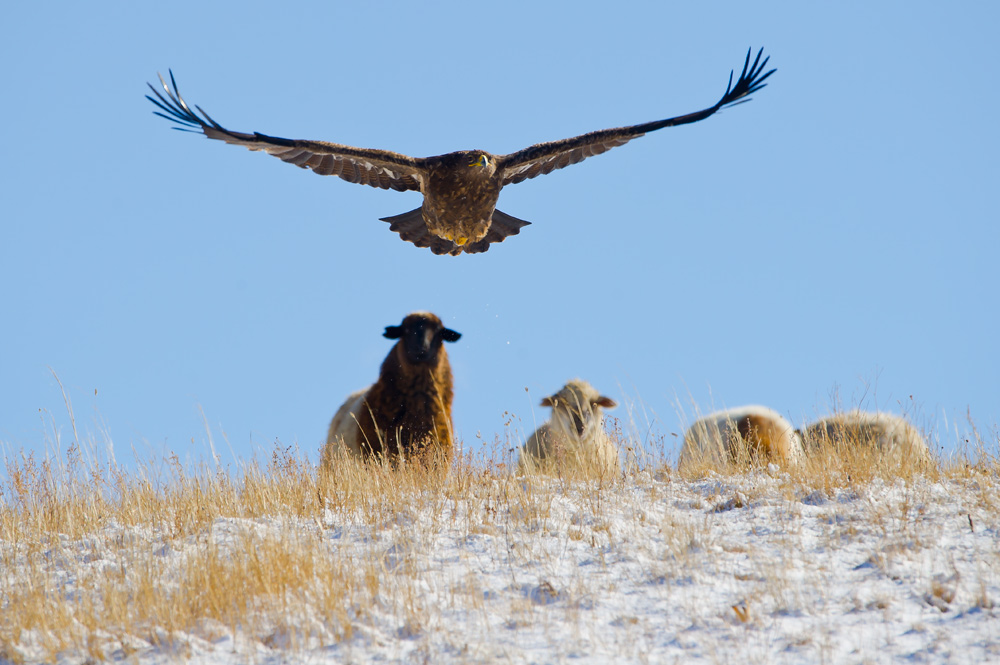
{"x":709,"y":438}
{"x":889,"y":433}
{"x":344,"y":433}
{"x":557,"y":445}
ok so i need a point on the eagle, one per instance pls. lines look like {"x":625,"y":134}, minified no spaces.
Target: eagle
{"x":460,"y":189}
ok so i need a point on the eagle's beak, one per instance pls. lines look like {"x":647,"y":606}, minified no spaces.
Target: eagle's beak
{"x":461,"y":240}
{"x":482,"y":160}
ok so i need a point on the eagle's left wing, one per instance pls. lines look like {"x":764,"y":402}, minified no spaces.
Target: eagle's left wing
{"x":544,"y":158}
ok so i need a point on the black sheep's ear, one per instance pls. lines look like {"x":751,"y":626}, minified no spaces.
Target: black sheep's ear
{"x":393,"y":332}
{"x":606,"y":402}
{"x":449,"y":335}
{"x":548,"y":401}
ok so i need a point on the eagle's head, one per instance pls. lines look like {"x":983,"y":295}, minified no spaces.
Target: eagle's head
{"x":480,"y":160}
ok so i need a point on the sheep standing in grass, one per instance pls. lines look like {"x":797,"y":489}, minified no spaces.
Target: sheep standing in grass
{"x":745,"y":435}
{"x":573,"y":440}
{"x":888,"y":434}
{"x":407,"y":412}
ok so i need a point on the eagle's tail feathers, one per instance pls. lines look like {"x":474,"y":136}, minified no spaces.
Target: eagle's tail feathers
{"x":411,"y":227}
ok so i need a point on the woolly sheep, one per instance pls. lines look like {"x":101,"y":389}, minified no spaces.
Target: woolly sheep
{"x":742,"y":435}
{"x":889,"y":434}
{"x":407,"y":412}
{"x":573,"y":440}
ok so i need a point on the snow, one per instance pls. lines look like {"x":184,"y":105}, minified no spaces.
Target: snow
{"x":754,"y":568}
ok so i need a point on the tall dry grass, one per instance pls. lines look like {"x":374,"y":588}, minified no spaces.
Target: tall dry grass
{"x":110,"y":561}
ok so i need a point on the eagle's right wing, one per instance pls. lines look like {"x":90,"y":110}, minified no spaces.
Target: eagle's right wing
{"x":378,"y":168}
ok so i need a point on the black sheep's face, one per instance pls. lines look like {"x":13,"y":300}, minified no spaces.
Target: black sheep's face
{"x":420,"y":335}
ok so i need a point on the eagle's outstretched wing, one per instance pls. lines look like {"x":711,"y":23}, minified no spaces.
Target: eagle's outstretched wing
{"x":378,"y":168}
{"x":544,"y":158}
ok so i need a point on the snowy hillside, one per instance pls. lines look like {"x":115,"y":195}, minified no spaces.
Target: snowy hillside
{"x":482,"y":566}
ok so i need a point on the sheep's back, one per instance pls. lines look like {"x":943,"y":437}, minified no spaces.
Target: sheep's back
{"x":890,"y":435}
{"x":344,"y":433}
{"x":535,"y":450}
{"x":741,"y":435}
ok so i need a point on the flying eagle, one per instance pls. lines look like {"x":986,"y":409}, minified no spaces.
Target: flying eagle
{"x":460,"y":188}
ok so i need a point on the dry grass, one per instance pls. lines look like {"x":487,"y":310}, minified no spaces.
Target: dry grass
{"x":113,"y":562}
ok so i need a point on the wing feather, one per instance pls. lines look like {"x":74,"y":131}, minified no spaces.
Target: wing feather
{"x":377,"y":168}
{"x":411,"y":227}
{"x":543,"y":158}
{"x":503,"y":225}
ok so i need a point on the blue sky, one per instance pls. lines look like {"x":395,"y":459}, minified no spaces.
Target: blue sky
{"x":833,"y":242}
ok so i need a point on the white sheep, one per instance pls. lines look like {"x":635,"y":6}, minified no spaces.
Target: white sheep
{"x":407,"y":412}
{"x":745,"y":435}
{"x":573,"y":440}
{"x":889,"y":434}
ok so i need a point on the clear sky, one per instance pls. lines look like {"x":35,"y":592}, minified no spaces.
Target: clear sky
{"x":833,"y":242}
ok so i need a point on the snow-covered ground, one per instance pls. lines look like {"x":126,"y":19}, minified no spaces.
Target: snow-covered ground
{"x":753,"y":568}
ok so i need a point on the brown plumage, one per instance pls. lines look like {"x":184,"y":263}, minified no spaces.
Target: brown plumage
{"x":460,"y":188}
{"x":407,"y":412}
